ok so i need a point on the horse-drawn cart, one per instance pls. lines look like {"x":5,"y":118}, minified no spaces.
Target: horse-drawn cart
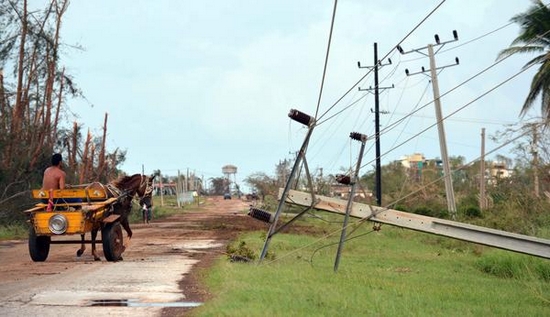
{"x":74,"y":211}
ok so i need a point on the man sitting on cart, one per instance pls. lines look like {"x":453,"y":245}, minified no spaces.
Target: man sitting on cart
{"x":54,"y":178}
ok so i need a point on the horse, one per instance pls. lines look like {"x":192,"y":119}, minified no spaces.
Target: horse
{"x":124,"y":189}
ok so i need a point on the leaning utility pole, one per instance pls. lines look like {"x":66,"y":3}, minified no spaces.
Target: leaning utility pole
{"x":378,"y":175}
{"x":451,"y":204}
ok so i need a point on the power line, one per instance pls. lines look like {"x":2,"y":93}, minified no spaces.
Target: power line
{"x":449,"y":91}
{"x":387,"y":54}
{"x":468,"y":120}
{"x":326,"y":58}
{"x":459,"y":109}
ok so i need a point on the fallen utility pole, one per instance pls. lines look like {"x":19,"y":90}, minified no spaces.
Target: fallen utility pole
{"x":457,"y":230}
{"x":308,"y":121}
{"x":353,"y":182}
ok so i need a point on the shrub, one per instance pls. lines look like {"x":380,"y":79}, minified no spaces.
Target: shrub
{"x":472,"y":212}
{"x":506,"y":265}
{"x":423,"y":211}
{"x":240,"y":253}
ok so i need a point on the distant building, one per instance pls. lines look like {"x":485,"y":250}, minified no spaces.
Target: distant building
{"x":342,"y":191}
{"x":166,"y":188}
{"x":415,"y":160}
{"x":417,"y":163}
{"x":499,"y":170}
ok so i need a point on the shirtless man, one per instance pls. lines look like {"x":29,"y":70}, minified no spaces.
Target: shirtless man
{"x":54,"y":176}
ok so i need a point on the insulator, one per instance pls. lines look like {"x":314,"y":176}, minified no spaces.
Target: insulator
{"x":358,"y":136}
{"x":400,"y":49}
{"x":343,"y":179}
{"x":261,"y":215}
{"x":301,"y":117}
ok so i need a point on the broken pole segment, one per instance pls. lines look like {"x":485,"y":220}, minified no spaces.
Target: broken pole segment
{"x":442,"y":227}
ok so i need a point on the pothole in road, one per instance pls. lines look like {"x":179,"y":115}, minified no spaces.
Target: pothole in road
{"x":137,"y":303}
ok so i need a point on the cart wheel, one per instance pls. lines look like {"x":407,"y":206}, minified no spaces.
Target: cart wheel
{"x":113,"y":243}
{"x":39,"y":246}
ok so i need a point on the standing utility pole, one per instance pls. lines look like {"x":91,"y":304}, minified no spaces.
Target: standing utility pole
{"x":482,"y":198}
{"x":535,"y":152}
{"x":451,"y":204}
{"x":377,"y":63}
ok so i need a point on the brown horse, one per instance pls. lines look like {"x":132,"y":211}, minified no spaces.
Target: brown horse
{"x":124,"y":189}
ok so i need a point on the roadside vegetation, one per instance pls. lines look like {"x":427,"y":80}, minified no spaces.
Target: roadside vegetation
{"x":391,"y":272}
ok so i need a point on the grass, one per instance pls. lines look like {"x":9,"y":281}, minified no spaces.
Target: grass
{"x":14,"y":231}
{"x":392,"y":272}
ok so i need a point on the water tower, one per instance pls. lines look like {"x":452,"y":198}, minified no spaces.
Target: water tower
{"x":230,"y":173}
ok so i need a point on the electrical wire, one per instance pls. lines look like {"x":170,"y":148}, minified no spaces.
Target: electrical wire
{"x":326,"y":58}
{"x":387,"y":54}
{"x":456,"y":111}
{"x":334,"y":243}
{"x":361,"y":220}
{"x":458,"y":169}
{"x":391,"y":126}
{"x":416,"y":135}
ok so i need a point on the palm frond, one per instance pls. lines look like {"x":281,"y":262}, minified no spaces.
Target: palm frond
{"x":519,"y":49}
{"x":534,"y":37}
{"x":540,"y":85}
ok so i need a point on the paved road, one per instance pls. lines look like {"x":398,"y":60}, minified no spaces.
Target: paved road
{"x":157,"y":259}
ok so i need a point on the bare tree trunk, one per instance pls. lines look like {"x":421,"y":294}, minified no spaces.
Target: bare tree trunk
{"x":18,"y":108}
{"x":3,"y":106}
{"x":85,"y":160}
{"x":59,"y":103}
{"x":74,"y":142}
{"x":90,"y":170}
{"x":101,"y":160}
{"x":60,"y":9}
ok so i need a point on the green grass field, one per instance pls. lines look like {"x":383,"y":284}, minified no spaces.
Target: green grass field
{"x":392,"y":272}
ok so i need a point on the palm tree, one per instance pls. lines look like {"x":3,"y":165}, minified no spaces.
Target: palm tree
{"x":534,"y":38}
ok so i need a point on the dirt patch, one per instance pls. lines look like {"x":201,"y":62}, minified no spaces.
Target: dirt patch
{"x":219,"y":220}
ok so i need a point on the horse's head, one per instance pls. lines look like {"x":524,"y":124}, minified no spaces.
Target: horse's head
{"x":145,"y":188}
{"x":136,"y":184}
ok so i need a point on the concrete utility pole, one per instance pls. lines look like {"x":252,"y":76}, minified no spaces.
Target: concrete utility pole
{"x":451,"y":204}
{"x":482,"y":198}
{"x":377,"y":89}
{"x":535,"y":152}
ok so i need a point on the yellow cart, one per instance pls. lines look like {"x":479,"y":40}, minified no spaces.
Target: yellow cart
{"x":74,"y":212}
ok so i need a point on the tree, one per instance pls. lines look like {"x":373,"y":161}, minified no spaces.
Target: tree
{"x":218,"y":185}
{"x":534,"y":38}
{"x":263,"y":184}
{"x":34,"y":89}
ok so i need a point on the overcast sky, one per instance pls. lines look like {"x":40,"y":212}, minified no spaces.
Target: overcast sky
{"x":200,"y":84}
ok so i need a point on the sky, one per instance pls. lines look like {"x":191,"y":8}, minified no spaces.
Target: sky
{"x":196,"y":85}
